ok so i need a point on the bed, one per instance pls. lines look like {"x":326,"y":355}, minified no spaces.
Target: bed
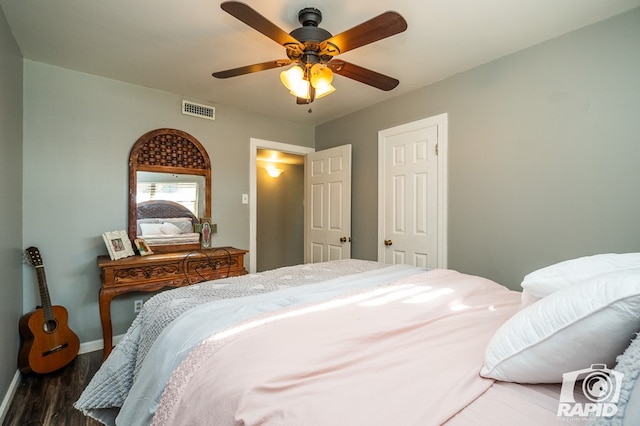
{"x":163,"y":222}
{"x":362,"y":343}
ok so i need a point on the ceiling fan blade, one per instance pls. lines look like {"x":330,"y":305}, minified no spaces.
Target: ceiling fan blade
{"x":248,"y":69}
{"x":258,"y":22}
{"x":363,"y":75}
{"x":382,"y":26}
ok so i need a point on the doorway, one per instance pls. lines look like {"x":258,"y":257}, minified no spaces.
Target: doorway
{"x":280,"y":209}
{"x":261,"y":156}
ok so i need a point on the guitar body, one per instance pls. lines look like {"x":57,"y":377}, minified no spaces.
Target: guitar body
{"x":46,"y":345}
{"x":47,"y":342}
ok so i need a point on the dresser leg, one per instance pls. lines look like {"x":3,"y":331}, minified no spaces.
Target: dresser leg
{"x":104,"y":301}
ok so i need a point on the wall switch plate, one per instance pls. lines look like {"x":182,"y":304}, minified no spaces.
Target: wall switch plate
{"x":214,"y":228}
{"x":245,"y":198}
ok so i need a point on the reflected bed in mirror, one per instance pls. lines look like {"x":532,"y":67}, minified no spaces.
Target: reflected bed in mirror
{"x":163,"y":222}
{"x":169,"y":189}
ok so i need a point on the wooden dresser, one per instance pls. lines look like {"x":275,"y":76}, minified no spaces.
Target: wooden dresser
{"x":158,"y":271}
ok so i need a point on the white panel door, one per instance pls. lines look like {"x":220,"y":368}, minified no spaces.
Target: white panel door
{"x":328,"y":205}
{"x":409,"y":191}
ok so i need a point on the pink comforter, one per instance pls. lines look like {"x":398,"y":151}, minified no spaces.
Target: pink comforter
{"x":408,"y":353}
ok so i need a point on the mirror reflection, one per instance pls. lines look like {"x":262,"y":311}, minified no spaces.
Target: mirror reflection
{"x":168,"y":207}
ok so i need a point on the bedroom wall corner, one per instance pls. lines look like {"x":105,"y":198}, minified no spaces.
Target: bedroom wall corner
{"x":11,"y":101}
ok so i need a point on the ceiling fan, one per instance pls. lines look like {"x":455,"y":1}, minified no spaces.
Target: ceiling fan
{"x":312,"y":50}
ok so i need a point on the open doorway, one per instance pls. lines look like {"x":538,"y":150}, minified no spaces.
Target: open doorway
{"x":271,"y":226}
{"x":279,"y":209}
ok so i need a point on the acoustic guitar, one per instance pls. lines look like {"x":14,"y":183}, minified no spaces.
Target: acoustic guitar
{"x":47,"y":342}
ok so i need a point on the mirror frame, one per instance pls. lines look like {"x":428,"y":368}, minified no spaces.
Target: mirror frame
{"x":167,"y":151}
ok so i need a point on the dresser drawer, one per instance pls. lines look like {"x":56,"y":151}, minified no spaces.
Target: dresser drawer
{"x":136,"y":274}
{"x":213,"y":268}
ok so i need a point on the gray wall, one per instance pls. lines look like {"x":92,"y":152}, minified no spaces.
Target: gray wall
{"x":544,"y":150}
{"x":79,"y":129}
{"x":280,"y":217}
{"x":11,"y":202}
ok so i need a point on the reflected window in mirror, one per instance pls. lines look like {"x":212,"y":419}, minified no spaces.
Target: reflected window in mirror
{"x":186,"y":190}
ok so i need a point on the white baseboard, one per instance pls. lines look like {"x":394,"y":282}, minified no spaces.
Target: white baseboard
{"x":97,"y":345}
{"x":94,"y":345}
{"x":6,"y":402}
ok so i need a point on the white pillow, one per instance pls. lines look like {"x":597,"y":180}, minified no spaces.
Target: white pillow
{"x":184,"y":223}
{"x":170,"y":229}
{"x":543,"y":282}
{"x":568,"y":330}
{"x":151,"y":228}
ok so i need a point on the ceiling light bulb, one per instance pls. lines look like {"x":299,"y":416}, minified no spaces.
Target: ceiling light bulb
{"x":292,"y":77}
{"x":321,"y":76}
{"x":300,"y":89}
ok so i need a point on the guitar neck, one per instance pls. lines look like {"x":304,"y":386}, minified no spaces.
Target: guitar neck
{"x":45,"y":300}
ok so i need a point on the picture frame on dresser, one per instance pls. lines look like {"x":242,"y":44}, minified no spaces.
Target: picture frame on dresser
{"x":143,"y":247}
{"x":118,"y":244}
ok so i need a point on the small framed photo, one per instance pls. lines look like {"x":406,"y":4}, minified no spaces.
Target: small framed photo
{"x":143,"y":247}
{"x":118,"y":244}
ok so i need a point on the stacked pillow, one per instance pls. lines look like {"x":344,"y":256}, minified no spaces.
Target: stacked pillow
{"x":541,"y":283}
{"x":168,"y":226}
{"x":577,"y":313}
{"x":165,"y":228}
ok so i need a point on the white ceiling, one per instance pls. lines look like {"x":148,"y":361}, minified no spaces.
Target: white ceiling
{"x":176,"y":45}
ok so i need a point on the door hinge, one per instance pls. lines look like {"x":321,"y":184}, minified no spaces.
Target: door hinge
{"x":436,"y":149}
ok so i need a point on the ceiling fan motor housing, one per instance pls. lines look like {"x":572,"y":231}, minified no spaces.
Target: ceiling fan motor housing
{"x":310,"y":35}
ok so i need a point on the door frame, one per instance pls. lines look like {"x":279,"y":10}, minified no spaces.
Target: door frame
{"x":254,"y":145}
{"x":441,"y":121}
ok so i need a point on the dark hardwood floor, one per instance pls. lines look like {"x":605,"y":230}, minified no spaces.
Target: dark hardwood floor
{"x":48,"y":399}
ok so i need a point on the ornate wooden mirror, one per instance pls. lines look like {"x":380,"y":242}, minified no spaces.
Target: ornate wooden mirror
{"x":169,"y":190}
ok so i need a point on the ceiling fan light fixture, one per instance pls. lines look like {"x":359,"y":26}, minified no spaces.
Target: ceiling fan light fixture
{"x":319,"y":77}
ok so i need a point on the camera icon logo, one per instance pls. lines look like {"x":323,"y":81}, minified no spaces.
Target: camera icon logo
{"x":597,"y":388}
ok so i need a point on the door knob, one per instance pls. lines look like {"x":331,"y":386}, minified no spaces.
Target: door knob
{"x":343,"y":239}
{"x":388,"y":242}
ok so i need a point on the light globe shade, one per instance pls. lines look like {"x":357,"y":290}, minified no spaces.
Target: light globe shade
{"x":292,"y":77}
{"x":301,"y":89}
{"x":324,"y":91}
{"x":273,"y":171}
{"x":321,"y":76}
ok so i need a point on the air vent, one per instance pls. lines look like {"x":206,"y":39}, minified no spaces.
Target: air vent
{"x":197,"y":110}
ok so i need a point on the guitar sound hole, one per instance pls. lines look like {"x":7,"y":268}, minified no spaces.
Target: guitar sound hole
{"x":50,"y":326}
